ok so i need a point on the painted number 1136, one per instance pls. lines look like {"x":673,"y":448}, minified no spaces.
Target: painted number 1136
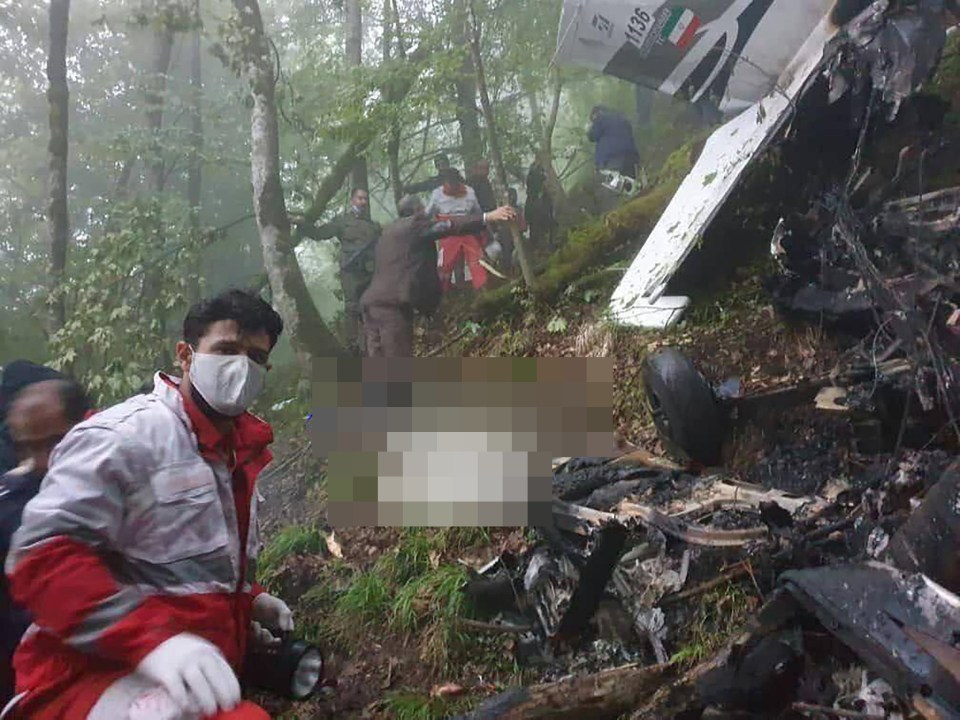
{"x":638,"y":26}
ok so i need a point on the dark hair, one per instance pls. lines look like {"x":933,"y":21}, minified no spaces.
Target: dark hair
{"x":450,"y":176}
{"x":441,"y":159}
{"x":21,"y":374}
{"x":76,"y":402}
{"x":247,"y":308}
{"x":354,"y":191}
{"x":408,"y":205}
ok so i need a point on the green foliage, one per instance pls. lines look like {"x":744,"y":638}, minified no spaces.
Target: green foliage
{"x":291,"y":540}
{"x":557,"y":325}
{"x":409,"y":590}
{"x":946,"y":82}
{"x":409,"y":559}
{"x":412,"y":706}
{"x":454,"y":540}
{"x":365,"y":603}
{"x":715,"y":619}
{"x":116,"y":328}
{"x":472,"y":328}
{"x":732,"y":305}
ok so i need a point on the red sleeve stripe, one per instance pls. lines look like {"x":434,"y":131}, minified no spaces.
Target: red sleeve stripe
{"x":98,"y":622}
{"x":61,"y":581}
{"x":73,"y":595}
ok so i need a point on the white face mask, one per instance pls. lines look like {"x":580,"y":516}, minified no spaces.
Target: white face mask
{"x":228,"y":383}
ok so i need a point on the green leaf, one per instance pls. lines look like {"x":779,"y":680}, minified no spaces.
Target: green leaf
{"x":557,"y":325}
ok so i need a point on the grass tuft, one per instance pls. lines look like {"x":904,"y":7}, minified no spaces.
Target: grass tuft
{"x":365,"y":603}
{"x":412,"y":706}
{"x":714,"y":620}
{"x":291,"y":540}
{"x":407,"y":591}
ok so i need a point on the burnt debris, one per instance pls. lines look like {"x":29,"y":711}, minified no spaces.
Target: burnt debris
{"x":848,"y":542}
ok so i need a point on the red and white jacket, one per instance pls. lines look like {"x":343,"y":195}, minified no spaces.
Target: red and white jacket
{"x":145,"y":527}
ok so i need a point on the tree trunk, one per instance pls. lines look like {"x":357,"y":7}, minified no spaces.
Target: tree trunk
{"x":393,"y":159}
{"x":471,"y":138}
{"x":195,"y":170}
{"x":391,"y":28}
{"x":156,"y":88}
{"x":156,"y":172}
{"x":353,"y":37}
{"x":308,"y":334}
{"x":495,"y":154}
{"x":121,"y":191}
{"x":536,"y":113}
{"x":558,"y":195}
{"x":58,"y":96}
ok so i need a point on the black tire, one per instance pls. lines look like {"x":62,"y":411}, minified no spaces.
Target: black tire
{"x":685,"y":410}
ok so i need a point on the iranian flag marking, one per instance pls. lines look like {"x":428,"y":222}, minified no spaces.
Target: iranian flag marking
{"x":680,"y":27}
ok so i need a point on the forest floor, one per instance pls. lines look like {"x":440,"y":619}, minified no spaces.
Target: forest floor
{"x":385,"y":603}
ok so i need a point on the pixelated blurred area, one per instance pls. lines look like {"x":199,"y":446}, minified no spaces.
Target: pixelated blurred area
{"x":458,"y":442}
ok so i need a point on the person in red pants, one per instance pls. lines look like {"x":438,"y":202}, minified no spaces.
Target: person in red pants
{"x":405,"y":278}
{"x":137,"y":558}
{"x":467,"y":247}
{"x":452,"y":200}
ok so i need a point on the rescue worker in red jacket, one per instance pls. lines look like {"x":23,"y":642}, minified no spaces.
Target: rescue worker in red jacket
{"x":137,"y":558}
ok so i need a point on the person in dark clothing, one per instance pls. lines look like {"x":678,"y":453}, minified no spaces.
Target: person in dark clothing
{"x":440,"y":163}
{"x":39,"y":417}
{"x":538,"y":209}
{"x":613,"y":134}
{"x":16,"y":376}
{"x":357,"y":235}
{"x":479,"y":180}
{"x":405,"y":279}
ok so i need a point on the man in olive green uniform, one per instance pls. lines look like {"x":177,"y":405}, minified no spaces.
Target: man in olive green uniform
{"x":357,"y":235}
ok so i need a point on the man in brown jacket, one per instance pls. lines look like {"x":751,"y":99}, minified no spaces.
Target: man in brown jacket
{"x":405,"y":276}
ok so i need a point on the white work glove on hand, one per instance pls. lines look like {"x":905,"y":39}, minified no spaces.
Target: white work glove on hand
{"x":272,"y":612}
{"x":261,"y":637}
{"x":194,"y":673}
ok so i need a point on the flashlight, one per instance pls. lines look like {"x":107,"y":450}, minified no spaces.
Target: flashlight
{"x":292,"y":669}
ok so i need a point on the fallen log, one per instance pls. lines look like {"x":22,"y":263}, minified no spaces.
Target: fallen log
{"x":677,"y":697}
{"x":607,"y":694}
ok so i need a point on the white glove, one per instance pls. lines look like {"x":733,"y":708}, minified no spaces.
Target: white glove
{"x":272,"y":612}
{"x":261,"y":637}
{"x":194,"y":673}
